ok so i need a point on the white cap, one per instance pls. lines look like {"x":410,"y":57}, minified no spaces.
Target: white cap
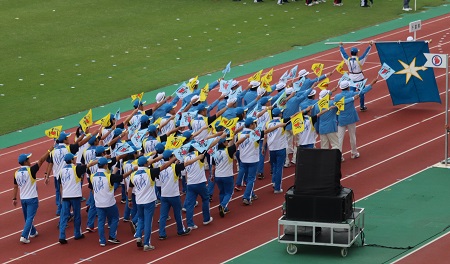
{"x":323,"y":93}
{"x":313,"y":92}
{"x":260,"y":91}
{"x":234,"y":83}
{"x":302,"y":73}
{"x":280,"y":86}
{"x":190,"y":80}
{"x":160,"y":96}
{"x":255,"y":84}
{"x":344,"y":85}
{"x":195,"y":99}
{"x":289,"y":90}
{"x":409,"y":38}
{"x":231,"y":100}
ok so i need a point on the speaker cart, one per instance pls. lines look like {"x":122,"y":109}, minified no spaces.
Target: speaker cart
{"x":341,"y":235}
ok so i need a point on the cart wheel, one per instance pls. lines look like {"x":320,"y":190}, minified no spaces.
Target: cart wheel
{"x":344,"y":252}
{"x":291,"y":249}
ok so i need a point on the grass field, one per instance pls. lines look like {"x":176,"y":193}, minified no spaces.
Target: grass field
{"x":62,"y":57}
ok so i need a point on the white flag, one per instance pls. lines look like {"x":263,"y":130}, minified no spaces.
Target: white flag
{"x":435,"y":60}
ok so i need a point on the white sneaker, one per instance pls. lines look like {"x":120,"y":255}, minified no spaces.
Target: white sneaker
{"x":24,"y":240}
{"x":287,"y":165}
{"x":280,"y":191}
{"x":148,"y":248}
{"x":193,"y":227}
{"x":406,"y":9}
{"x":35,"y":235}
{"x":209,"y":221}
{"x":355,"y":155}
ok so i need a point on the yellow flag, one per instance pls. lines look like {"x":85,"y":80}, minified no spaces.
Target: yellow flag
{"x":317,"y":68}
{"x":324,"y":102}
{"x":105,"y":121}
{"x":268,"y":75}
{"x":340,"y":67}
{"x":266,"y":84}
{"x":174,"y":142}
{"x":255,"y":77}
{"x":323,"y":85}
{"x":340,"y":105}
{"x":86,"y":121}
{"x":204,"y":93}
{"x":53,"y":132}
{"x":137,"y":96}
{"x":192,"y":83}
{"x":229,"y":123}
{"x":212,"y":127}
{"x":157,"y":121}
{"x":298,"y":124}
{"x":231,"y":132}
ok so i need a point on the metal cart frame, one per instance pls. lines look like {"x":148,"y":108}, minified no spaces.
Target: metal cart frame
{"x":341,"y":235}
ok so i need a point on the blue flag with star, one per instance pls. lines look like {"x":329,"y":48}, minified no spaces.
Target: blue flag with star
{"x":411,"y":82}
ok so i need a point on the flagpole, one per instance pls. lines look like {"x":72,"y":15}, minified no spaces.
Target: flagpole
{"x":348,"y":42}
{"x":367,"y":42}
{"x":446,"y":110}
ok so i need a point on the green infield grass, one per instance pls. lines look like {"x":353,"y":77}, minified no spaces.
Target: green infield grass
{"x":63,"y":57}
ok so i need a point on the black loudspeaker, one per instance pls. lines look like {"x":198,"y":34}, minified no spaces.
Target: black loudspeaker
{"x":319,"y":208}
{"x":318,"y":172}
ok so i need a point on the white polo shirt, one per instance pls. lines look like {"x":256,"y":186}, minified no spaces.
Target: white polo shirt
{"x":70,"y":182}
{"x":102,"y":188}
{"x":26,"y":182}
{"x":195,"y":173}
{"x":248,"y":150}
{"x":143,"y":185}
{"x":276,"y":139}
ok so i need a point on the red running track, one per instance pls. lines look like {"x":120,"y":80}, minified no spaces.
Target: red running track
{"x":392,"y":141}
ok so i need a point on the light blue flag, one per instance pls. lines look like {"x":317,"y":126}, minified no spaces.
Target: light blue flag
{"x":281,"y":101}
{"x":227,"y":68}
{"x":117,"y":115}
{"x":224,"y":86}
{"x":123,"y":148}
{"x":255,"y":135}
{"x":137,"y":138}
{"x":284,"y":78}
{"x":202,"y":145}
{"x":186,"y":118}
{"x":183,"y":91}
{"x":298,"y":84}
{"x":133,"y":127}
{"x":293,"y":72}
{"x":181,"y":152}
{"x":359,"y":85}
{"x":345,"y":77}
{"x":386,"y":71}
